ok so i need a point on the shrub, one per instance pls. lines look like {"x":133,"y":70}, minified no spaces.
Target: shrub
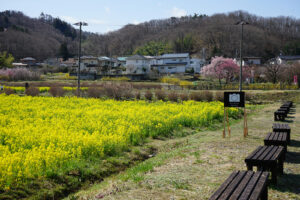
{"x":19,"y":74}
{"x":184,"y":97}
{"x":118,"y":91}
{"x":167,"y":79}
{"x":138,"y":95}
{"x":160,"y":95}
{"x":196,"y":96}
{"x":148,"y":95}
{"x":57,"y":91}
{"x":9,"y":91}
{"x":219,"y":96}
{"x":123,"y":78}
{"x":173,"y":96}
{"x":32,"y":91}
{"x":186,"y":84}
{"x":207,"y":95}
{"x":95,"y":92}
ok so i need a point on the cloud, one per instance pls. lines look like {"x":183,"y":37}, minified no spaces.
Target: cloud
{"x":107,"y":9}
{"x":177,"y":12}
{"x":135,"y":22}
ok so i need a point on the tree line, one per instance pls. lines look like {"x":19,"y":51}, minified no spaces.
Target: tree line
{"x":198,"y":34}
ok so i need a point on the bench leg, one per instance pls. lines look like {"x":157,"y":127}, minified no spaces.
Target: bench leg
{"x":264,"y":195}
{"x":289,"y":137}
{"x":249,"y":167}
{"x":280,"y":166}
{"x":274,"y":175}
{"x":275,"y":117}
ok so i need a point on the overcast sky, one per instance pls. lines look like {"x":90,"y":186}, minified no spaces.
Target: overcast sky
{"x":107,"y":15}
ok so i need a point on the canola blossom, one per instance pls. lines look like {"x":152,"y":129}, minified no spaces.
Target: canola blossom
{"x":44,"y":135}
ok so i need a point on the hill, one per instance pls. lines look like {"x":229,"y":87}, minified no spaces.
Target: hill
{"x":216,"y":35}
{"x":199,"y":35}
{"x":36,"y":37}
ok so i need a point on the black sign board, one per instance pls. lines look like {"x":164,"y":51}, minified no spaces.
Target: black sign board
{"x":234,"y":99}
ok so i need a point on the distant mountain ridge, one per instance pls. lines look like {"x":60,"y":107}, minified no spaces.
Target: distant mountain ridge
{"x":199,"y":35}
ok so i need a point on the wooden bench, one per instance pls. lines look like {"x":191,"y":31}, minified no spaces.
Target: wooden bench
{"x":279,"y":115}
{"x":267,"y":158}
{"x":276,"y":139}
{"x":285,"y":108}
{"x":277,"y":127}
{"x":243,"y":185}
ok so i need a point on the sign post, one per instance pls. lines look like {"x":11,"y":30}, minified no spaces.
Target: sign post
{"x":234,"y":99}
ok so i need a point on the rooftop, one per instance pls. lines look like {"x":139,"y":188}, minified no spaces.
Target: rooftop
{"x":175,"y":55}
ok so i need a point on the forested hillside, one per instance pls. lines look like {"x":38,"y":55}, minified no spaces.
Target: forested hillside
{"x":198,"y":34}
{"x":41,"y":37}
{"x":217,"y":34}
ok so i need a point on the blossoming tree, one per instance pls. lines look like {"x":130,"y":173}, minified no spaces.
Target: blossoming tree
{"x":224,"y":68}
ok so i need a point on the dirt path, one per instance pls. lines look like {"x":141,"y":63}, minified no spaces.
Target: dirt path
{"x":192,"y":167}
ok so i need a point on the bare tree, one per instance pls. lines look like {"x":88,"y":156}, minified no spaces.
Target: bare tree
{"x":273,"y":72}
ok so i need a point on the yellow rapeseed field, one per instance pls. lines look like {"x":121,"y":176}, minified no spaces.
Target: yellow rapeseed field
{"x":44,"y":135}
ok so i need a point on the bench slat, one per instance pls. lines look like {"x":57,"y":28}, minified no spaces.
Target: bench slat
{"x":258,"y":154}
{"x":274,"y":148}
{"x":241,"y":186}
{"x":265,"y":153}
{"x":277,"y":153}
{"x":233,"y":185}
{"x":252,"y":154}
{"x":248,"y":190}
{"x":223,"y":187}
{"x":259,"y":186}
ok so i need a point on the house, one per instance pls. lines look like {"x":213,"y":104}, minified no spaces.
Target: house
{"x":68,"y":63}
{"x":29,"y":61}
{"x":19,"y":65}
{"x":121,"y":61}
{"x":248,"y":61}
{"x":52,"y":62}
{"x":138,"y":64}
{"x":88,"y":63}
{"x":195,"y":65}
{"x":171,"y":63}
{"x":285,"y":60}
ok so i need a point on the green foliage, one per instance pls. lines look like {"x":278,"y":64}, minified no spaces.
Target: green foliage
{"x":292,"y":48}
{"x":184,"y":44}
{"x":65,"y":28}
{"x":153,"y":49}
{"x":63,"y":51}
{"x":6,"y":60}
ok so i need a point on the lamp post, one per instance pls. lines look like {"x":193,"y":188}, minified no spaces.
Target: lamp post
{"x":242,"y":23}
{"x":79,"y":55}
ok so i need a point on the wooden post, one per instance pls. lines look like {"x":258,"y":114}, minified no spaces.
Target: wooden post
{"x":224,"y":133}
{"x":245,"y":123}
{"x":228,"y":125}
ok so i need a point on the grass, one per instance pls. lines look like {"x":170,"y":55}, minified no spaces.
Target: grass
{"x":195,"y":165}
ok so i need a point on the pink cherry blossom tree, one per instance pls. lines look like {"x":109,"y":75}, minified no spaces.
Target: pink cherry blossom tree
{"x":224,"y":68}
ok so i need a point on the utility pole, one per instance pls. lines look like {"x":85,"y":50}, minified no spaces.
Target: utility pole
{"x":242,"y":23}
{"x":79,"y":56}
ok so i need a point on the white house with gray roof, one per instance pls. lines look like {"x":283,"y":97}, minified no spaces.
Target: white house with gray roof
{"x":138,"y":64}
{"x":171,"y":63}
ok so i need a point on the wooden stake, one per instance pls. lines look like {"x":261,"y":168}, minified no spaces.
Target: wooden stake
{"x":245,"y":123}
{"x":228,"y":125}
{"x":224,"y":133}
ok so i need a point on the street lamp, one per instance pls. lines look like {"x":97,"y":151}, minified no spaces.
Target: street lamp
{"x":79,"y":55}
{"x":242,"y":23}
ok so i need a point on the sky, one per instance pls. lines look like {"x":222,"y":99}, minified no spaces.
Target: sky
{"x":103,"y":16}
